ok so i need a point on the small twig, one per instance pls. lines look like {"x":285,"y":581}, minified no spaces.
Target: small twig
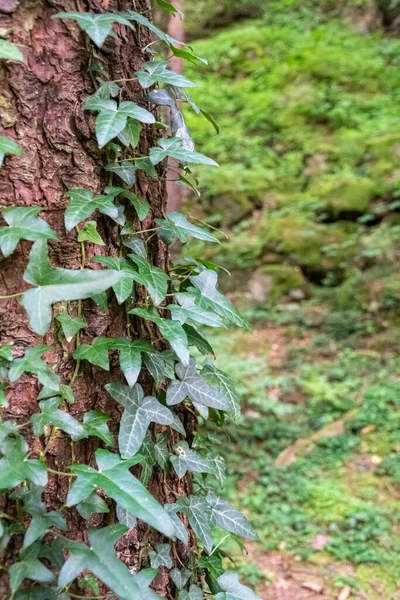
{"x":60,"y":473}
{"x":11,"y":296}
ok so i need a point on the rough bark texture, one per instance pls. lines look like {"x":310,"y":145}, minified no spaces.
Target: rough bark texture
{"x":41,"y":107}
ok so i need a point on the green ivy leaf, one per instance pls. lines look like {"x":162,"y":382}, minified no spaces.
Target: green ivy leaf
{"x":156,"y":71}
{"x":90,"y":234}
{"x":196,"y":339}
{"x":83,"y":204}
{"x":8,"y":146}
{"x":176,"y":224}
{"x":189,"y":311}
{"x":125,"y":170}
{"x":192,"y":385}
{"x":123,"y":289}
{"x":32,"y":363}
{"x":180,"y":529}
{"x":233,"y":589}
{"x":172,"y":331}
{"x":194,"y":593}
{"x":112,"y":119}
{"x":9,"y":51}
{"x":225,"y":516}
{"x":130,"y":357}
{"x":207,"y":296}
{"x":65,"y":392}
{"x":97,"y":26}
{"x":139,"y":412}
{"x":30,"y":567}
{"x":23,"y":223}
{"x":161,"y":557}
{"x":93,"y":504}
{"x":16,"y":468}
{"x":95,"y":424}
{"x":226,"y":385}
{"x":190,"y":460}
{"x":141,"y":206}
{"x":100,"y":559}
{"x":198,"y":513}
{"x":40,"y":523}
{"x":51,"y":415}
{"x":143,"y":163}
{"x":158,"y":32}
{"x":212,"y":563}
{"x":97,"y":353}
{"x":167,"y":6}
{"x":155,"y":280}
{"x":172,"y":147}
{"x":131,"y":134}
{"x":70,"y":325}
{"x":180,"y":577}
{"x":117,"y":482}
{"x":55,"y":284}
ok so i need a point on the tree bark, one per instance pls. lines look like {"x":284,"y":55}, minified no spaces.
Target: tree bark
{"x":41,"y":108}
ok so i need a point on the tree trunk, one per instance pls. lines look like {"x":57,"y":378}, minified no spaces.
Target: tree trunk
{"x":41,"y":108}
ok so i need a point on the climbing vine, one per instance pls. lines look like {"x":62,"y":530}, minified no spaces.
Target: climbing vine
{"x":175,"y":303}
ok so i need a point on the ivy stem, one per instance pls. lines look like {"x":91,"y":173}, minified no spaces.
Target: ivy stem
{"x":8,"y":517}
{"x":60,"y":473}
{"x":220,"y":543}
{"x":11,"y":296}
{"x":88,"y":597}
{"x":120,"y":80}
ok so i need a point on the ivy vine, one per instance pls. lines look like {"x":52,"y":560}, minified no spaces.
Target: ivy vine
{"x":177,"y":302}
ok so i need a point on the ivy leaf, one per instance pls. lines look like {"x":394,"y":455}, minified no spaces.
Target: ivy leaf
{"x":70,"y":325}
{"x":225,"y":516}
{"x":40,"y":523}
{"x":139,"y":412}
{"x":151,"y":277}
{"x":141,"y":206}
{"x":16,"y":468}
{"x":65,"y":392}
{"x":125,"y":518}
{"x":124,"y":287}
{"x":97,"y":26}
{"x":161,"y":557}
{"x":125,"y":170}
{"x":172,"y":147}
{"x":134,"y":111}
{"x":97,"y":353}
{"x":100,"y":103}
{"x":32,"y":363}
{"x":95,"y":425}
{"x":93,"y":504}
{"x":8,"y":146}
{"x":194,"y":593}
{"x":143,"y":163}
{"x":158,"y":32}
{"x":155,"y":364}
{"x":187,"y":54}
{"x":176,"y":224}
{"x":29,"y":567}
{"x":190,"y":460}
{"x":131,"y":134}
{"x":9,"y":51}
{"x":212,"y":563}
{"x":198,"y":513}
{"x":180,"y":578}
{"x":83,"y":204}
{"x":219,"y":469}
{"x":233,"y":589}
{"x":192,"y":385}
{"x":209,"y":297}
{"x":180,"y":529}
{"x":55,"y":284}
{"x":196,"y":339}
{"x":90,"y":234}
{"x":51,"y":415}
{"x":118,"y":483}
{"x":189,"y":311}
{"x":23,"y":223}
{"x":109,"y":123}
{"x":226,"y":385}
{"x":170,"y":330}
{"x":107,"y":89}
{"x":167,"y":6}
{"x":130,"y":358}
{"x":156,"y":70}
{"x":101,"y":560}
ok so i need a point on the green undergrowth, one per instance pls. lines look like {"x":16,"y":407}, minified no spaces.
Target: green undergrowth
{"x":344,"y":485}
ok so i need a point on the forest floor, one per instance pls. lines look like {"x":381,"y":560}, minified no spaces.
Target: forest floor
{"x":315,"y":460}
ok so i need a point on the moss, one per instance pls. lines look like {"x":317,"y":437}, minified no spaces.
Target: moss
{"x":7,"y":118}
{"x":284,"y":279}
{"x":378,"y":581}
{"x":345,"y":193}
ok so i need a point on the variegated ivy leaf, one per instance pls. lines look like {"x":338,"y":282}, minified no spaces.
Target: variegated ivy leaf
{"x":193,"y":386}
{"x":125,"y":518}
{"x":180,"y":577}
{"x":9,"y":51}
{"x":219,"y":469}
{"x":54,"y":285}
{"x":83,"y":204}
{"x":198,"y":513}
{"x":115,"y":479}
{"x":70,"y":325}
{"x":100,"y":559}
{"x":194,"y":593}
{"x":161,"y":557}
{"x":155,"y":280}
{"x":32,"y":363}
{"x":207,"y":296}
{"x":139,"y":412}
{"x":172,"y":147}
{"x":89,"y":233}
{"x":97,"y":26}
{"x":125,"y":170}
{"x":189,"y":311}
{"x":176,"y":225}
{"x":8,"y":146}
{"x":157,"y":71}
{"x":225,"y":516}
{"x":233,"y":589}
{"x":190,"y":460}
{"x":50,"y":414}
{"x":141,"y":206}
{"x":23,"y":224}
{"x":225,"y":385}
{"x":180,"y":529}
{"x":172,"y":331}
{"x":29,"y":567}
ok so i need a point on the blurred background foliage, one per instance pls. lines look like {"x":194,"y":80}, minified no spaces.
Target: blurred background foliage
{"x":307,"y":98}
